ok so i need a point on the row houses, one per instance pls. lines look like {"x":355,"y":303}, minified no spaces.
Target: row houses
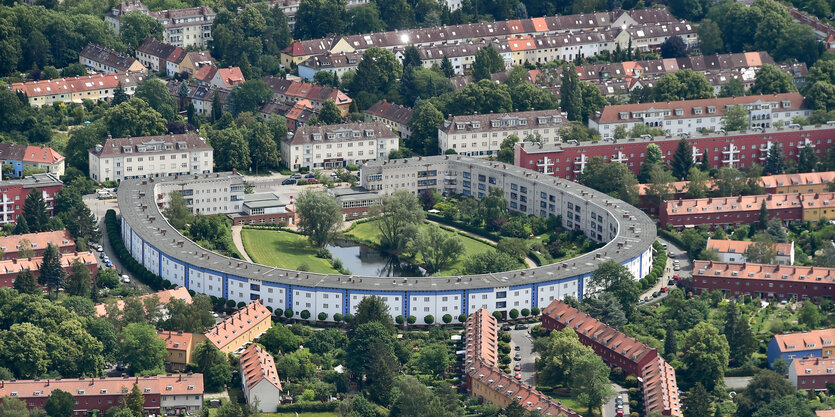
{"x":77,"y":89}
{"x":791,"y":346}
{"x":485,"y":381}
{"x":13,"y":195}
{"x":241,"y":327}
{"x":164,"y":394}
{"x":189,"y":27}
{"x":9,"y":269}
{"x":658,"y":379}
{"x":762,"y":281}
{"x":171,"y":59}
{"x":162,"y":297}
{"x":98,"y":59}
{"x":20,"y":157}
{"x":516,"y":50}
{"x":260,"y":383}
{"x":396,"y":116}
{"x":735,"y":250}
{"x":12,"y":245}
{"x":292,"y":90}
{"x":299,"y":51}
{"x":723,"y":149}
{"x":734,"y":211}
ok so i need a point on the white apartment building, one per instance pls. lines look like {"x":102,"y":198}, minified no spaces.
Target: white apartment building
{"x":734,"y":251}
{"x":150,"y":156}
{"x":691,"y":116}
{"x":338,"y":145}
{"x":481,"y":135}
{"x":214,"y":193}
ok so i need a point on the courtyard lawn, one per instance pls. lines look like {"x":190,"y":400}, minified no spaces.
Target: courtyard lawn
{"x":369,"y":234}
{"x":283,"y":249}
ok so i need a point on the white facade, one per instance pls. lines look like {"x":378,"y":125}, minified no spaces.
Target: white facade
{"x":216,"y":193}
{"x":144,"y":157}
{"x":335,"y":146}
{"x":482,"y":135}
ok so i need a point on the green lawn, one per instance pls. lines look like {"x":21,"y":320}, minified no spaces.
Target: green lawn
{"x":213,"y":411}
{"x":283,"y":250}
{"x":368,"y":232}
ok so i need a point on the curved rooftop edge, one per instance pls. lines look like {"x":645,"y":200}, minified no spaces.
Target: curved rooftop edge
{"x":153,"y":242}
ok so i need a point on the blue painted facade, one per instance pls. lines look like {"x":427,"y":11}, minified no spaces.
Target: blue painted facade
{"x":775,"y":352}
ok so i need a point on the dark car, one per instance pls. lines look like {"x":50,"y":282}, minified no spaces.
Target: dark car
{"x":521,"y":327}
{"x":506,"y":327}
{"x":517,"y":348}
{"x":288,"y":181}
{"x":309,"y":176}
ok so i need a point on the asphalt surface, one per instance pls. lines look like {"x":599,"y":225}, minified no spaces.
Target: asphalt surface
{"x":686,"y":271}
{"x":524,"y":340}
{"x":99,"y":208}
{"x":610,"y":408}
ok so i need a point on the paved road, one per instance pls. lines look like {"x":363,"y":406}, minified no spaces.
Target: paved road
{"x":685,"y":272}
{"x":239,"y":243}
{"x":99,"y":208}
{"x":737,"y":382}
{"x":524,"y":340}
{"x":610,"y":408}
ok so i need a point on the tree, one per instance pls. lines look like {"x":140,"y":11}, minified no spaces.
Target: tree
{"x":593,"y":99}
{"x":559,"y":356}
{"x":377,"y":74}
{"x":263,"y":146}
{"x":60,"y":404}
{"x":400,"y":212}
{"x":411,"y":57}
{"x":764,"y":387}
{"x":710,"y":37}
{"x":513,"y":246}
{"x":807,"y":161}
{"x":682,"y":158}
{"x":364,"y":19}
{"x":740,"y":339}
{"x":613,"y":178}
{"x":177,"y":212}
{"x":489,"y":262}
{"x":606,"y":308}
{"x":135,"y":27}
{"x":770,"y":80}
{"x":35,"y":211}
{"x":446,"y":67}
{"x":12,"y":406}
{"x":156,"y":94}
{"x":706,"y":354}
{"x":654,"y":157}
{"x":192,"y":318}
{"x":670,"y":341}
{"x":317,"y":18}
{"x":25,"y":283}
{"x":142,"y":350}
{"x":775,"y":161}
{"x":319,"y":217}
{"x":788,"y":406}
{"x":438,"y":248}
{"x":660,"y":185}
{"x":52,"y":273}
{"x":22,"y":226}
{"x":133,"y":118}
{"x":231,"y":149}
{"x":673,"y":47}
{"x":373,"y":309}
{"x":214,"y":366}
{"x":370,"y":353}
{"x":614,"y":278}
{"x":135,"y":401}
{"x":735,"y":118}
{"x":424,"y":125}
{"x":763,"y":250}
{"x":821,"y":96}
{"x":590,"y":377}
{"x":697,"y":402}
{"x":330,"y":114}
{"x":685,"y":84}
{"x":79,"y":282}
{"x":249,"y":96}
{"x":810,"y":315}
{"x":734,"y":88}
{"x":487,"y":61}
{"x":571,"y":99}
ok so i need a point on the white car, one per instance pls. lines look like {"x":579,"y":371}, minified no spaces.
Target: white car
{"x":126,"y":279}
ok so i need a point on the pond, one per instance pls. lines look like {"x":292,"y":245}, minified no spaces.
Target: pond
{"x":363,"y":260}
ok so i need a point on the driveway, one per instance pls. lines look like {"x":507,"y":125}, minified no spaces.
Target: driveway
{"x":737,"y":382}
{"x":524,"y":340}
{"x":99,"y":209}
{"x":610,"y":408}
{"x":678,"y":254}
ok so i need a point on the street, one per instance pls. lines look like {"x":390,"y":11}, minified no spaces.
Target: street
{"x":610,"y":408}
{"x":99,"y":209}
{"x":678,"y":254}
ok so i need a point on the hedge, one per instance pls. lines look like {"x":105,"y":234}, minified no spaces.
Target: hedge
{"x":314,"y":407}
{"x":125,"y":258}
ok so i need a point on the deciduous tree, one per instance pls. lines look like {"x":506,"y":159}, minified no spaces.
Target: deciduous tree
{"x":60,"y":404}
{"x":142,"y":350}
{"x":770,"y":79}
{"x":706,"y":354}
{"x":156,"y":94}
{"x":735,"y":118}
{"x":25,"y":283}
{"x":319,"y":217}
{"x":79,"y":282}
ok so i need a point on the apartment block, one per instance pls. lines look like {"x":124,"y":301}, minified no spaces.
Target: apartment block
{"x":339,"y":145}
{"x":150,"y":156}
{"x":481,"y":135}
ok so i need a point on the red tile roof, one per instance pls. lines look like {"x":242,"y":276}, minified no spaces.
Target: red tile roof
{"x":178,"y":384}
{"x":312,"y":92}
{"x":231,"y":76}
{"x":787,"y":180}
{"x":813,"y":366}
{"x":76,"y":84}
{"x":164,"y":297}
{"x":804,"y":341}
{"x":239,"y":322}
{"x":825,"y":413}
{"x":809,"y":274}
{"x":482,"y":342}
{"x":176,"y":340}
{"x":740,"y":246}
{"x":256,"y":365}
{"x":42,"y":155}
{"x":37,"y":241}
{"x":13,"y":266}
{"x":727,"y":204}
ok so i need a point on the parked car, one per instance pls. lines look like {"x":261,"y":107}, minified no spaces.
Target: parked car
{"x":288,"y":181}
{"x":310,"y":175}
{"x":126,"y":279}
{"x":663,"y":289}
{"x":296,"y":176}
{"x":676,"y":268}
{"x":108,"y":264}
{"x":517,"y":348}
{"x":655,"y":294}
{"x":619,"y":413}
{"x":521,"y":327}
{"x":675,"y":277}
{"x":518,"y":376}
{"x":517,"y":356}
{"x":518,"y":367}
{"x":312,"y":181}
{"x":506,"y":328}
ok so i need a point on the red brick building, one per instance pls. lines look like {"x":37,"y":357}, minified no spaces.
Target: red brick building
{"x":9,"y":245}
{"x":736,"y":149}
{"x":164,"y":394}
{"x":812,"y":373}
{"x":659,"y":384}
{"x":13,"y":194}
{"x":726,"y":211}
{"x":764,"y":281}
{"x":10,"y":268}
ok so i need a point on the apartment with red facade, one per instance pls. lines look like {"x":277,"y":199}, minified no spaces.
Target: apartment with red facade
{"x":812,"y":373}
{"x":37,"y":242}
{"x":9,"y":269}
{"x":764,"y":281}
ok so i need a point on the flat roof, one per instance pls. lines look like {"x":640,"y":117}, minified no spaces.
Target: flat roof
{"x":635,"y":234}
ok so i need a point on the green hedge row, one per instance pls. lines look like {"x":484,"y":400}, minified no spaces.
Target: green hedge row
{"x":123,"y":255}
{"x":315,"y":407}
{"x":658,"y":265}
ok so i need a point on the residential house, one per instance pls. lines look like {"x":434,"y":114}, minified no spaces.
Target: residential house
{"x":193,"y":61}
{"x":264,"y":208}
{"x":10,"y":245}
{"x":260,"y":383}
{"x":189,"y":27}
{"x":163,"y":296}
{"x":199,"y":95}
{"x":125,"y":6}
{"x":235,"y":332}
{"x":13,"y":194}
{"x":224,"y":78}
{"x":10,"y":268}
{"x":812,"y":374}
{"x":481,"y":135}
{"x":180,"y":346}
{"x":735,"y":250}
{"x":17,"y":158}
{"x":765,"y":282}
{"x":339,"y":145}
{"x":98,"y":59}
{"x":395,"y":116}
{"x":150,"y":156}
{"x":287,"y":90}
{"x":791,"y":346}
{"x":153,"y":54}
{"x":77,"y":89}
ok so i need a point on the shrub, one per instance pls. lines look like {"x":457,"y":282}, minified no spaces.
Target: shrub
{"x":311,"y":407}
{"x":278,"y":312}
{"x":270,"y":309}
{"x":303,"y":267}
{"x":288,"y":313}
{"x":399,"y":320}
{"x":447,"y":318}
{"x":535,"y":311}
{"x":323,"y":316}
{"x":429,"y":319}
{"x":498,"y":315}
{"x":305,"y":314}
{"x":514,"y":313}
{"x":526,"y":312}
{"x":241,"y":304}
{"x":231,"y":304}
{"x":349,"y":318}
{"x":411,"y":319}
{"x":191,"y":293}
{"x":323,"y":253}
{"x":352,"y":167}
{"x":462,"y":318}
{"x":336,"y":263}
{"x":337,"y":317}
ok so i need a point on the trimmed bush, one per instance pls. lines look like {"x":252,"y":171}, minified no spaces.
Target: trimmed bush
{"x":429,"y":319}
{"x":305,"y":314}
{"x":288,"y":313}
{"x":311,"y":407}
{"x":447,"y":318}
{"x":535,"y":311}
{"x":349,"y":318}
{"x":498,"y":315}
{"x":337,"y":317}
{"x":278,"y":312}
{"x":270,"y":309}
{"x":241,"y":304}
{"x":514,"y":313}
{"x":323,"y":316}
{"x":191,"y":293}
{"x":462,"y":318}
{"x":399,"y":320}
{"x":411,"y":319}
{"x":231,"y":304}
{"x":526,"y":312}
